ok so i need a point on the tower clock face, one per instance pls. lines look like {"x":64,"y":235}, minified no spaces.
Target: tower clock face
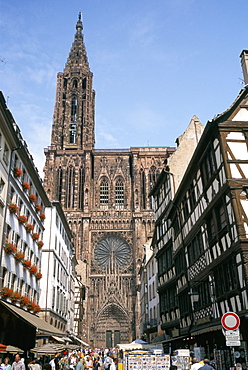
{"x":112,"y":251}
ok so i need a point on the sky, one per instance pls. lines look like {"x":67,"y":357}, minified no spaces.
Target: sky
{"x":155,"y":65}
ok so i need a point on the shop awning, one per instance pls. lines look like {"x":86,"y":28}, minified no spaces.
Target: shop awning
{"x":41,"y":326}
{"x":81,"y":341}
{"x":58,"y":339}
{"x":207,"y":329}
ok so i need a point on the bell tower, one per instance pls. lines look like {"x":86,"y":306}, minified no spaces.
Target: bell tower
{"x":73,"y":121}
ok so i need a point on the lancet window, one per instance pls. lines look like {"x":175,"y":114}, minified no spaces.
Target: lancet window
{"x":119,"y":192}
{"x":104,"y":192}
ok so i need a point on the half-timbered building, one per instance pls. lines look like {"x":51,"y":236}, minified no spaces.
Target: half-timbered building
{"x":202,"y":232}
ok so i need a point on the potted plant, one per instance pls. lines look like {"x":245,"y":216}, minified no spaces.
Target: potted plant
{"x":38,"y":275}
{"x":6,"y":292}
{"x":26,"y":264}
{"x":30,"y":305}
{"x":40,"y":244}
{"x":19,"y":256}
{"x":29,"y":228}
{"x":15,"y":297}
{"x":33,"y":270}
{"x":38,"y":207}
{"x":22,"y":219}
{"x":13,"y":208}
{"x":32,"y":198}
{"x":25,"y":186}
{"x":42,"y":216}
{"x":24,"y":301}
{"x":36,"y":308}
{"x":9,"y":248}
{"x":17,"y":172}
{"x":35,"y":236}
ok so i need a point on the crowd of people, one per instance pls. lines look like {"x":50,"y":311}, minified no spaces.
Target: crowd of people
{"x":76,"y":360}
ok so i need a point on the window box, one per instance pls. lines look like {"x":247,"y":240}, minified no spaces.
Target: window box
{"x":6,"y":292}
{"x":35,"y":236}
{"x":22,"y":219}
{"x":17,"y":172}
{"x":32,"y":198}
{"x":13,"y":208}
{"x":26,"y":264}
{"x":38,"y":207}
{"x":38,"y":275}
{"x":15,"y":297}
{"x":29,"y":228}
{"x":42,"y":217}
{"x":40,"y":244}
{"x":9,"y":248}
{"x":33,"y":270}
{"x":25,"y":186}
{"x":19,"y":257}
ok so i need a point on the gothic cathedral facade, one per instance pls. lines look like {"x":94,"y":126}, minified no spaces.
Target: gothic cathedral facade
{"x":105,"y":196}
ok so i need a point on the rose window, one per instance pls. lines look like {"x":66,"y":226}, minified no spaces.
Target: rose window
{"x":112,"y":251}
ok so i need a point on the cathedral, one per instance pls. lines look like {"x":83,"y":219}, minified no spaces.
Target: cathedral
{"x":105,"y":196}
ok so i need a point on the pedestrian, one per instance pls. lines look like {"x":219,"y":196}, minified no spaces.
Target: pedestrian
{"x":113,"y":366}
{"x":18,"y":364}
{"x":52,"y":363}
{"x":206,"y":365}
{"x":88,"y":362}
{"x":6,"y":364}
{"x":97,"y":364}
{"x":195,"y":364}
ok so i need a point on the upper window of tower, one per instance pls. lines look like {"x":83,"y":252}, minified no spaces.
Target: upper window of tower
{"x":75,"y":83}
{"x":104,"y":194}
{"x":74,"y":109}
{"x":119,"y":192}
{"x":84,"y":83}
{"x":73,"y":131}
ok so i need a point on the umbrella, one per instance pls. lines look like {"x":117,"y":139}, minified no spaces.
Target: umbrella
{"x":49,"y":348}
{"x":140,"y":341}
{"x":2,"y":347}
{"x":11,"y":349}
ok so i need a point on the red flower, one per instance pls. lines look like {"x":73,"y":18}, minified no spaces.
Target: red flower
{"x":19,"y":256}
{"x":15,"y":297}
{"x":36,"y":308}
{"x":23,"y":301}
{"x":9,"y":248}
{"x":32,"y":198}
{"x":26,"y":264}
{"x":6,"y":292}
{"x":22,"y":219}
{"x":30,"y":305}
{"x":40,"y":243}
{"x":13,"y":208}
{"x":38,"y":275}
{"x":29,"y":228}
{"x":25,"y":185}
{"x":38,"y":207}
{"x":42,"y":216}
{"x":17,"y":172}
{"x":33,"y":270}
{"x":35,"y":236}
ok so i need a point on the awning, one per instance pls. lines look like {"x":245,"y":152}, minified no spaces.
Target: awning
{"x":41,"y":326}
{"x":207,"y":329}
{"x":60,"y":340}
{"x":66,"y":339}
{"x":81,"y":341}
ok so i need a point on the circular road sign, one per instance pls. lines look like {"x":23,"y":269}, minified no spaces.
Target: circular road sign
{"x":230,"y":321}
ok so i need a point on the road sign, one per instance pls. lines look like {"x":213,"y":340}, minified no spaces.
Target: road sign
{"x":230,"y":321}
{"x":233,"y":343}
{"x":232,"y":335}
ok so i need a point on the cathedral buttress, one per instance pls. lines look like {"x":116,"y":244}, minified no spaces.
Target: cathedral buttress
{"x":73,"y":122}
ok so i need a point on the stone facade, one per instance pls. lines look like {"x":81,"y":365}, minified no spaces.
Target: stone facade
{"x":105,"y":196}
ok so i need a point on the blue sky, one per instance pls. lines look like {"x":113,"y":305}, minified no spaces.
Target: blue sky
{"x":155,"y":64}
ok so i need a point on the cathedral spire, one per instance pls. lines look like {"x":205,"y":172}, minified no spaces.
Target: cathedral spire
{"x":73,"y":125}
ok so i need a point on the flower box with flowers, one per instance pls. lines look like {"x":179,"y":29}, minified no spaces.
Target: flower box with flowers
{"x":36,"y":308}
{"x":13,"y":208}
{"x":17,"y":172}
{"x":25,"y":186}
{"x":24,"y":301}
{"x":30,"y":305}
{"x":19,"y":257}
{"x":15,"y":297}
{"x":38,"y":275}
{"x":9,"y":248}
{"x":22,"y":219}
{"x":6,"y":292}
{"x":33,"y":270}
{"x":38,"y":207}
{"x":40,"y":244}
{"x":42,"y":217}
{"x":35,"y":236}
{"x":32,"y":198}
{"x":29,"y":228}
{"x":26,"y":264}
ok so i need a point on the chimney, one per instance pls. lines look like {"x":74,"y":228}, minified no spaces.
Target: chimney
{"x":244,"y":64}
